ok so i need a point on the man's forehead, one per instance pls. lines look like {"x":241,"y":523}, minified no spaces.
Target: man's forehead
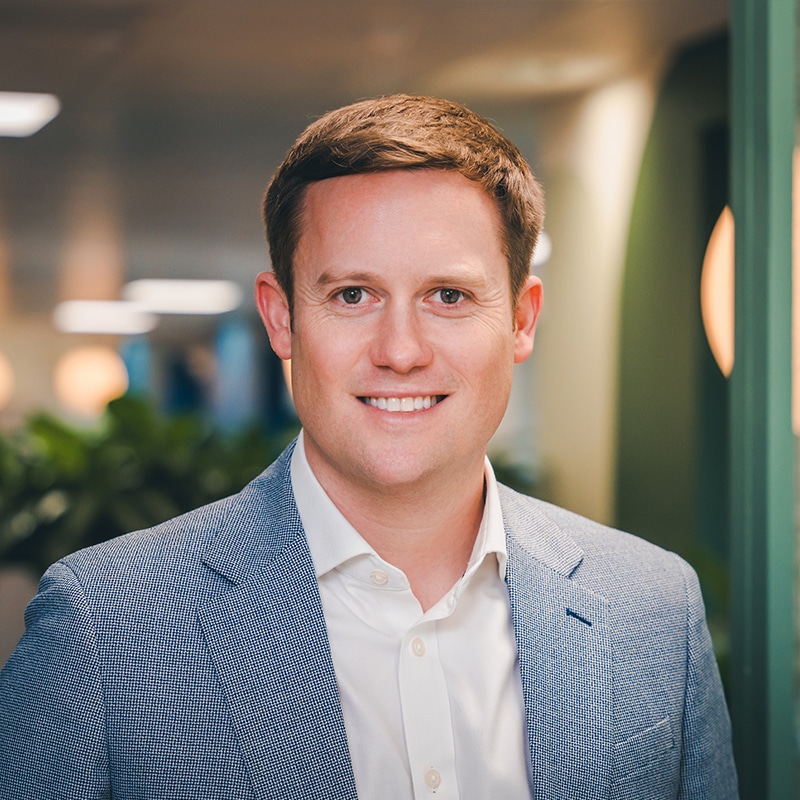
{"x":401,"y":188}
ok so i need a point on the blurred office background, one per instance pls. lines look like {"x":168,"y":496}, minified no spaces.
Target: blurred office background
{"x":173,"y":115}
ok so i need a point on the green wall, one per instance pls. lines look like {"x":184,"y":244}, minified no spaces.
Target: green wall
{"x":672,"y":448}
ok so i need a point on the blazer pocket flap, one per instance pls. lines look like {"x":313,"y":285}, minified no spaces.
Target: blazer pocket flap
{"x":637,"y":753}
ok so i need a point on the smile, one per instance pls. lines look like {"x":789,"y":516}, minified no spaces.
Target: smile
{"x":403,"y":403}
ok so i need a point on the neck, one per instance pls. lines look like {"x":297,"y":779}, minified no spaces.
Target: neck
{"x":426,"y":531}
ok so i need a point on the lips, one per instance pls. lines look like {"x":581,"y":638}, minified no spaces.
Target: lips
{"x":403,"y":404}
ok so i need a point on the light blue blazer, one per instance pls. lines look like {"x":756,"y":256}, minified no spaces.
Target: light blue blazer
{"x":192,"y":661}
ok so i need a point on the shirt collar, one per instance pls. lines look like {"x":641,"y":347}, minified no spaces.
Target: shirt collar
{"x":332,"y":540}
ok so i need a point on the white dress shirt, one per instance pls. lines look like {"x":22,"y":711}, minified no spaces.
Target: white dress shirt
{"x":432,"y":701}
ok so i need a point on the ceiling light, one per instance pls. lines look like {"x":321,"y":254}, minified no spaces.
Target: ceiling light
{"x":24,"y":113}
{"x":184,"y":296}
{"x":543,"y":250}
{"x":103,"y":316}
{"x":508,"y":74}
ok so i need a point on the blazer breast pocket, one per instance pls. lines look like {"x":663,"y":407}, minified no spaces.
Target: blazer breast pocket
{"x":647,"y":764}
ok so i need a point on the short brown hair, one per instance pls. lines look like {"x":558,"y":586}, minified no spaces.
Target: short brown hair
{"x":405,"y":132}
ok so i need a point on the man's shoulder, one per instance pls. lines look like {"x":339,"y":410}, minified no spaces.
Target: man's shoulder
{"x":245,"y":520}
{"x":176,"y":539}
{"x":600,"y":556}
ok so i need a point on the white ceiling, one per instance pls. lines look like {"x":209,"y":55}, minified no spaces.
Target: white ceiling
{"x":175,"y":112}
{"x":316,"y":51}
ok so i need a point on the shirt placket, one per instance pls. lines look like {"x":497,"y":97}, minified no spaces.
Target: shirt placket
{"x":427,"y":720}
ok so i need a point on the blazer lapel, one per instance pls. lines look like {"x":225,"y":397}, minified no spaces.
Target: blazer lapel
{"x":565,"y":658}
{"x":267,"y":637}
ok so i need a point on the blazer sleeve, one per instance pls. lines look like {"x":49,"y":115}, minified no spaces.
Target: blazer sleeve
{"x":707,"y":767}
{"x":52,"y":726}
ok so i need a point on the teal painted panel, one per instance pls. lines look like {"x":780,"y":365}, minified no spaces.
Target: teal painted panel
{"x":762,"y":445}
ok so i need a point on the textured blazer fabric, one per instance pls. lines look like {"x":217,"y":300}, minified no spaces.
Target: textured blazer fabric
{"x":192,"y":661}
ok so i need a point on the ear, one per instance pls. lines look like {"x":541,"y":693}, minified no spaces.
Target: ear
{"x":274,"y":310}
{"x":526,"y":314}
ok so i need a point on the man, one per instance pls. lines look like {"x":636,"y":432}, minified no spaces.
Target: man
{"x":374,"y":616}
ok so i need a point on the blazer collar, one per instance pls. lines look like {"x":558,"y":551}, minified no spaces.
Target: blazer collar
{"x":266,"y":635}
{"x":534,"y":529}
{"x":259,"y":524}
{"x":564,"y":655}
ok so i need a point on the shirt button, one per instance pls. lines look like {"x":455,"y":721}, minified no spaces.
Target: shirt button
{"x":418,"y":649}
{"x":433,"y":779}
{"x":379,"y":577}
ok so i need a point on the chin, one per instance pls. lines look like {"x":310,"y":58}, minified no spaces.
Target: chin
{"x":397,"y":470}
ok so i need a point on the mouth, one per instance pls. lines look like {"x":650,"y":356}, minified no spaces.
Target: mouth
{"x":403,"y":404}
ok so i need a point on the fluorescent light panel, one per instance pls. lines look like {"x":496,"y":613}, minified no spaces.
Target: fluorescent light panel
{"x":543,"y":250}
{"x":25,"y":113}
{"x":103,"y":316}
{"x":184,"y":296}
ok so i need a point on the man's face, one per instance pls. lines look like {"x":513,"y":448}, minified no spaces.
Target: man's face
{"x":403,"y":335}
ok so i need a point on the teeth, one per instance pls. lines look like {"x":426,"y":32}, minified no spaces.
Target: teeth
{"x":402,"y":403}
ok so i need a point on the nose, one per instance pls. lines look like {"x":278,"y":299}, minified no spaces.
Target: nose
{"x":399,"y":341}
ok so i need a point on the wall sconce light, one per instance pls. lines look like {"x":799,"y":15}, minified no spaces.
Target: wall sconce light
{"x":6,"y":381}
{"x":717,"y":295}
{"x":87,"y":378}
{"x":716,"y":291}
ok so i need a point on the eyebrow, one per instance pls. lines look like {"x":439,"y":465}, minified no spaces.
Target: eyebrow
{"x":466,"y":278}
{"x":356,"y":278}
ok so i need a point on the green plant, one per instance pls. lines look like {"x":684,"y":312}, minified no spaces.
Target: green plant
{"x":64,"y":488}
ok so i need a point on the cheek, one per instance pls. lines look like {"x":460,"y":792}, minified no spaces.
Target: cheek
{"x":321,"y":359}
{"x":491,"y":379}
{"x":487,"y":354}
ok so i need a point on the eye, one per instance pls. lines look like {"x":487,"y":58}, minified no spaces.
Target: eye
{"x":449,"y":296}
{"x":352,"y":295}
